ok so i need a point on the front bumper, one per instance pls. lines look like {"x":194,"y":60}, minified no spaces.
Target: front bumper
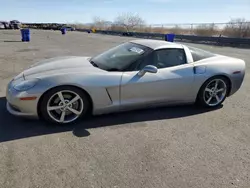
{"x":17,"y":107}
{"x":15,"y":111}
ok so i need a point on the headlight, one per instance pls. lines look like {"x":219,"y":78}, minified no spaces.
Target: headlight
{"x":25,"y":85}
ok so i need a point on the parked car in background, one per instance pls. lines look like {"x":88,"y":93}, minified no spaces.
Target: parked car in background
{"x":4,"y":25}
{"x":69,"y":28}
{"x":15,"y":24}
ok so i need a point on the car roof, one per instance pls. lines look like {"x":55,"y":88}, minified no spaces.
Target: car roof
{"x":157,"y":44}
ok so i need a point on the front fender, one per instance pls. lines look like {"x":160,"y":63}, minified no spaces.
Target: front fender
{"x":103,"y":89}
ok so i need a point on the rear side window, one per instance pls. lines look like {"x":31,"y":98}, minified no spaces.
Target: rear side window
{"x":199,"y":54}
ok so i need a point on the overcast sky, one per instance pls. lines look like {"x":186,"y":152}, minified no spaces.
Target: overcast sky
{"x":152,"y":11}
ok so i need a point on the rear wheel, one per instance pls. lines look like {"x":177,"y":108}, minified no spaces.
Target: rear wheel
{"x":64,"y":105}
{"x":213,"y":92}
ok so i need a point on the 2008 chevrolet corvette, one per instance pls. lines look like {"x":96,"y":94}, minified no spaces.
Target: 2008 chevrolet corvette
{"x":136,"y":74}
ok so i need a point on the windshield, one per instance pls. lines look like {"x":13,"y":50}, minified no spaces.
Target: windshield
{"x":120,"y":57}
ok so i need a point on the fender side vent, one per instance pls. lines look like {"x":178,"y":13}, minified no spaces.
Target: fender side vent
{"x":109,"y":95}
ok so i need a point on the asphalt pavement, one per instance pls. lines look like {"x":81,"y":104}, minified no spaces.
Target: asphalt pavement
{"x":169,"y":147}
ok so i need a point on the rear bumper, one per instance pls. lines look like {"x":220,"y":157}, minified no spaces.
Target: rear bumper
{"x":236,"y":82}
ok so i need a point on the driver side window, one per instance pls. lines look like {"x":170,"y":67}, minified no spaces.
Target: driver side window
{"x":163,"y":58}
{"x":169,"y":57}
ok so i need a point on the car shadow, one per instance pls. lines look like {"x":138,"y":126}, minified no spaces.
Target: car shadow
{"x":12,"y":41}
{"x":14,"y":128}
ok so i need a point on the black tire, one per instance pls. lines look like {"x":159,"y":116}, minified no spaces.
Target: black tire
{"x":45,"y":98}
{"x":200,"y":99}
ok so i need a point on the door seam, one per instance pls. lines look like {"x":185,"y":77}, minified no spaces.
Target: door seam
{"x":120,"y":88}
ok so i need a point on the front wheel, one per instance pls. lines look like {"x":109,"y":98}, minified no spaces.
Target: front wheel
{"x":213,"y":92}
{"x":64,"y":105}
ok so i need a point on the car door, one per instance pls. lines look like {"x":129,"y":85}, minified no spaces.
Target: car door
{"x":171,"y":84}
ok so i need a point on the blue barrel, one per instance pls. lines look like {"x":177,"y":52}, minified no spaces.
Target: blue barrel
{"x":63,"y":30}
{"x":169,"y":37}
{"x":25,"y":35}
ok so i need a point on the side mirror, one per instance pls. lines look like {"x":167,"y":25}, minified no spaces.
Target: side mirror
{"x":148,"y":68}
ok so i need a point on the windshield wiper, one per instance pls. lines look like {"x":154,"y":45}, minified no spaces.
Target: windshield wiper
{"x":94,"y":64}
{"x":113,"y":69}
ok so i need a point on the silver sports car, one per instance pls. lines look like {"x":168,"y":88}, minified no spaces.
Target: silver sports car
{"x":136,"y":74}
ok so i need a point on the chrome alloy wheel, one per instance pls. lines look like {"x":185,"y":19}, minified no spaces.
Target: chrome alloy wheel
{"x":65,"y":106}
{"x":215,"y":92}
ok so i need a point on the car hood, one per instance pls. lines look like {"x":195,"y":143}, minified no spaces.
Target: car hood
{"x":60,"y":65}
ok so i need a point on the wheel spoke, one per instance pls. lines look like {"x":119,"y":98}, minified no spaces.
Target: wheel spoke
{"x":62,"y":116}
{"x":74,"y":111}
{"x":50,"y":108}
{"x":60,"y":95}
{"x":220,"y":90}
{"x":208,"y":90}
{"x":210,"y":98}
{"x":217,"y":98}
{"x":216,"y":84}
{"x":74,"y":99}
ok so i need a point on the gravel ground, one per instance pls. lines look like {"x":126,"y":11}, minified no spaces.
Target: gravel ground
{"x":175,"y":147}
